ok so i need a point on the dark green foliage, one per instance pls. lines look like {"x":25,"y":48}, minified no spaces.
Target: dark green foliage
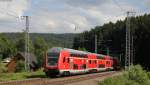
{"x":148,"y":73}
{"x":134,"y":76}
{"x":20,"y":44}
{"x":59,"y":40}
{"x":3,"y":68}
{"x":112,"y":36}
{"x":11,"y":43}
{"x":40,"y":48}
{"x":137,"y":74}
{"x":7,"y":48}
{"x":20,"y":66}
{"x":0,"y":67}
{"x":82,"y":49}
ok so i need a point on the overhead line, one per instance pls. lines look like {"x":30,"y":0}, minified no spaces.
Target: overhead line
{"x":13,"y":15}
{"x":118,"y":5}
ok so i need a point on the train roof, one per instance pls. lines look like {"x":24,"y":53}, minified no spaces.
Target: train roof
{"x":72,"y":51}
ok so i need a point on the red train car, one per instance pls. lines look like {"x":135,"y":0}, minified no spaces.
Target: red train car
{"x":64,"y":61}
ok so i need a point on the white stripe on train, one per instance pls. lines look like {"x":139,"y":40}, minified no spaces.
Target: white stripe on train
{"x":83,"y":71}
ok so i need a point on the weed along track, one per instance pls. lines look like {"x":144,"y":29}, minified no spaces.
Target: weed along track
{"x":59,"y":81}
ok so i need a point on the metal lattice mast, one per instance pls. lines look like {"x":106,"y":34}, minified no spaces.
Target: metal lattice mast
{"x":129,"y":41}
{"x":132,"y":50}
{"x":127,"y":53}
{"x":27,"y":65}
{"x":95,"y":43}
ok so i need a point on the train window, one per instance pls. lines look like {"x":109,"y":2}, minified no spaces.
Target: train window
{"x":68,"y":60}
{"x":52,"y":58}
{"x":95,"y":61}
{"x":107,"y":62}
{"x":101,"y":66}
{"x":83,"y":66}
{"x":53,"y":55}
{"x":90,"y":61}
{"x":63,"y":59}
{"x":75,"y":66}
{"x":52,"y":61}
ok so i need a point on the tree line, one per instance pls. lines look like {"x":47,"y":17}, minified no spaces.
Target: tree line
{"x":111,"y":37}
{"x":12,"y":43}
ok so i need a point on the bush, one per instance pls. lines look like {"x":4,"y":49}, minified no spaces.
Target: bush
{"x":134,"y":76}
{"x":20,"y":66}
{"x":137,"y":74}
{"x":118,"y":80}
{"x":148,"y":74}
{"x":0,"y":68}
{"x":3,"y":69}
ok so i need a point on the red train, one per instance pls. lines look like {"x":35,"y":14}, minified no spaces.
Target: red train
{"x":64,"y":61}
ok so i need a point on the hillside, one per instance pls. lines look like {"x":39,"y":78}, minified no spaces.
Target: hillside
{"x":111,"y":39}
{"x":62,"y":40}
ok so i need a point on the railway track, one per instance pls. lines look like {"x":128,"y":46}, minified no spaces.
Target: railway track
{"x":59,"y":81}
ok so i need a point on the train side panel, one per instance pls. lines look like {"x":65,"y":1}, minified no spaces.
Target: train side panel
{"x":67,"y":62}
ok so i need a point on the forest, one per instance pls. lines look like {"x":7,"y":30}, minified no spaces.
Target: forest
{"x":111,"y":39}
{"x":12,"y":43}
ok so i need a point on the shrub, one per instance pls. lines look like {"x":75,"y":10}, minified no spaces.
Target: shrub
{"x":20,"y":66}
{"x":131,"y":82}
{"x":0,"y":68}
{"x":3,"y":69}
{"x":134,"y":76}
{"x":137,"y":74}
{"x":148,"y":74}
{"x":118,"y":80}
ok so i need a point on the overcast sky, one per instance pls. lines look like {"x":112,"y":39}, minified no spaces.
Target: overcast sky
{"x":61,"y":16}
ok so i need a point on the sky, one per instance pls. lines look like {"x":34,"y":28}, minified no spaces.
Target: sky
{"x":63,"y":16}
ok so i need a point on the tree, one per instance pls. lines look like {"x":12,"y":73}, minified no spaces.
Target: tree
{"x":7,"y":48}
{"x":20,"y":45}
{"x":40,"y":48}
{"x":20,"y":66}
{"x":82,"y":49}
{"x":140,"y":29}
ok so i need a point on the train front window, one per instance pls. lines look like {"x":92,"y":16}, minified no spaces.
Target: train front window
{"x":52,"y":59}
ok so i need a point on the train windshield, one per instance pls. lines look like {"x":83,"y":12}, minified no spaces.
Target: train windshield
{"x":52,"y":59}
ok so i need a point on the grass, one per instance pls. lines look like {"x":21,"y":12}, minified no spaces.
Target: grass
{"x":22,"y":75}
{"x":134,"y":76}
{"x":5,"y":76}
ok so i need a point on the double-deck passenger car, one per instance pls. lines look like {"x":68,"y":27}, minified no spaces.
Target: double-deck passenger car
{"x":64,"y":61}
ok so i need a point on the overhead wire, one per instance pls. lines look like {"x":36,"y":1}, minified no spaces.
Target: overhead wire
{"x":118,"y":5}
{"x":12,"y":14}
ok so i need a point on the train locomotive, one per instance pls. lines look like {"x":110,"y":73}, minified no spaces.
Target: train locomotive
{"x":65,"y":62}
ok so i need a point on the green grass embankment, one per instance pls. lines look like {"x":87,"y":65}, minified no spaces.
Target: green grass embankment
{"x":21,"y":75}
{"x":134,"y":76}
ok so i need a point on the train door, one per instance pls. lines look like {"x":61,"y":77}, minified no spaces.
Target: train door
{"x":65,"y":60}
{"x":108,"y":64}
{"x":101,"y":65}
{"x":87,"y":64}
{"x":83,"y":65}
{"x":71,"y":63}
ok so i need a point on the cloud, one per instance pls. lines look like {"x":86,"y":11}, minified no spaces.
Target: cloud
{"x":147,"y":2}
{"x":9,"y":14}
{"x":87,"y":3}
{"x":61,"y":16}
{"x":14,"y":7}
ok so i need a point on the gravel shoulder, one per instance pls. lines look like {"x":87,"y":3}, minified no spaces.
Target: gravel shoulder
{"x":94,"y":81}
